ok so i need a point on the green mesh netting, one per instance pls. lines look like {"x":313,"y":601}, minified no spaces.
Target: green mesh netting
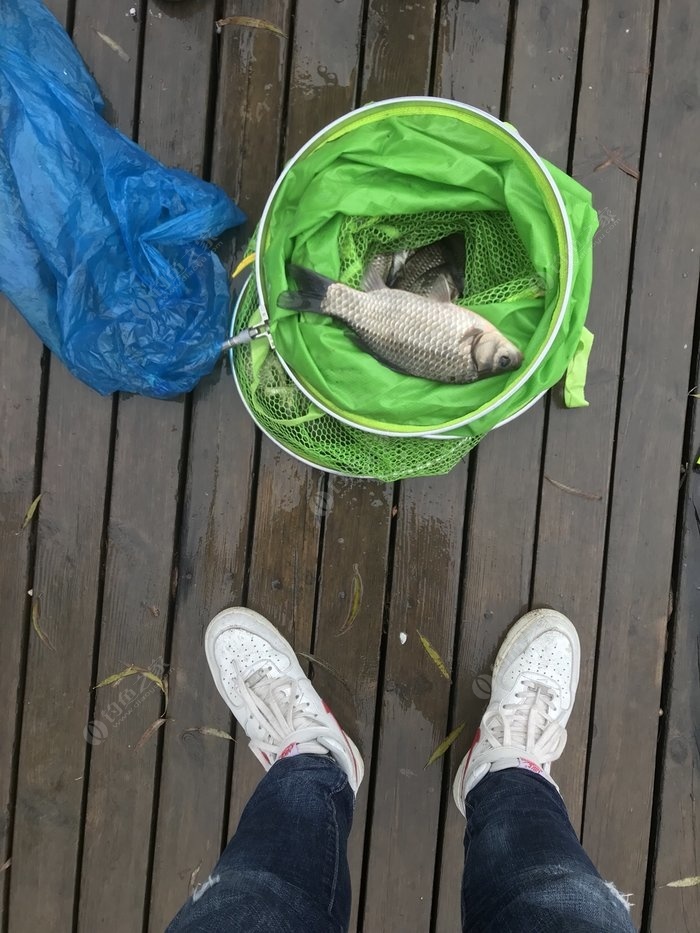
{"x":497,"y":267}
{"x":296,"y":424}
{"x":406,"y":158}
{"x":393,"y":176}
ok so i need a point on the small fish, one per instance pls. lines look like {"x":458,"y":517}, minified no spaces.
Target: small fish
{"x":383,"y":268}
{"x":434,"y":271}
{"x":415,"y":335}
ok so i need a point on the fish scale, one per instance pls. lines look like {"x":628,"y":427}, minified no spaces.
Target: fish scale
{"x":417,"y":335}
{"x":409,"y":332}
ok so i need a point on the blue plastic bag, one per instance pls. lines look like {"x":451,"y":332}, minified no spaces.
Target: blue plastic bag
{"x":105,"y":252}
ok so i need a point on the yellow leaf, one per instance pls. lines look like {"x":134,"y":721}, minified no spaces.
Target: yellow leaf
{"x":193,"y":879}
{"x":684,"y":882}
{"x":444,"y":745}
{"x":209,"y":730}
{"x":154,"y":727}
{"x":36,"y":616}
{"x":356,"y":593}
{"x":117,"y":678}
{"x":252,"y":23}
{"x":114,"y":46}
{"x":129,"y":672}
{"x":434,"y":656}
{"x":29,"y":514}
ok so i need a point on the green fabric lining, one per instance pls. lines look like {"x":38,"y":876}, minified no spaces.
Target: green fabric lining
{"x":436,"y":158}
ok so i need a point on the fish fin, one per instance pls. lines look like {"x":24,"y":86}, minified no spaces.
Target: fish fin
{"x":398,"y":262}
{"x":441,"y":290}
{"x":372,"y":280}
{"x":311,"y":290}
{"x":476,"y":333}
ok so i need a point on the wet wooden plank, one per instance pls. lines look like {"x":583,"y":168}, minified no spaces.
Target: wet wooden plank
{"x":20,"y":403}
{"x":415,"y":702}
{"x":580,"y":443}
{"x":57,"y":698}
{"x":66,"y":584}
{"x":498,"y":574}
{"x":471,"y":53}
{"x":283,"y":576}
{"x":648,"y":455}
{"x":218,"y":506}
{"x":350,"y":621}
{"x":325,"y":62}
{"x":398,"y":45}
{"x":138,"y":585}
{"x":315,"y":98}
{"x":677,"y":855}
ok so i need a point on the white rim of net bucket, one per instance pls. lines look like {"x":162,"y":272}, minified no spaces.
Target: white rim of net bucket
{"x":437,"y":433}
{"x":256,"y":420}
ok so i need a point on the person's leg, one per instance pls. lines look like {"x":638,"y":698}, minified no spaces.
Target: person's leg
{"x":524,"y":869}
{"x":286,"y":867}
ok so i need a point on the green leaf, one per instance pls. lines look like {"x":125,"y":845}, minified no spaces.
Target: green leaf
{"x":434,"y":656}
{"x":129,"y":671}
{"x":356,"y":593}
{"x":29,"y":515}
{"x":444,"y":745}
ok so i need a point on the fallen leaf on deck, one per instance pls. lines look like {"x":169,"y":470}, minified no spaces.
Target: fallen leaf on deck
{"x":444,"y":745}
{"x":29,"y":515}
{"x":591,"y":496}
{"x":684,"y":882}
{"x":36,"y":617}
{"x":252,"y":23}
{"x":208,"y":730}
{"x":356,"y":592}
{"x":614,"y":157}
{"x":153,"y":728}
{"x":114,"y":46}
{"x":434,"y":656}
{"x":193,"y":879}
{"x":5,"y":865}
{"x":129,"y":672}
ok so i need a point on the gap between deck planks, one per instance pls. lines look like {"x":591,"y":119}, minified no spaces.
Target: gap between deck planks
{"x":502,"y":525}
{"x":657,"y":363}
{"x":218,"y":515}
{"x":65,"y":583}
{"x":139,"y":584}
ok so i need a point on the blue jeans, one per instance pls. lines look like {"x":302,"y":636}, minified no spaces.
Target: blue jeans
{"x":286,"y":867}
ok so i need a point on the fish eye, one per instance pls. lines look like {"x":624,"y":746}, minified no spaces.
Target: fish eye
{"x":504,"y":362}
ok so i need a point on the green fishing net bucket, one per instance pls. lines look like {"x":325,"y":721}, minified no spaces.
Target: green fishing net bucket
{"x":393,"y":175}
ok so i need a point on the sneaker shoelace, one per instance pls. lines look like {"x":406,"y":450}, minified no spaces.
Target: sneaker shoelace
{"x":272,"y":703}
{"x":528,"y":725}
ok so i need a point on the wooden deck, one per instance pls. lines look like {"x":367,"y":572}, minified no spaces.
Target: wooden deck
{"x":156,"y":515}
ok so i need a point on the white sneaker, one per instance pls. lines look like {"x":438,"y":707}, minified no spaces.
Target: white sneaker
{"x":259,"y":677}
{"x":532,"y":694}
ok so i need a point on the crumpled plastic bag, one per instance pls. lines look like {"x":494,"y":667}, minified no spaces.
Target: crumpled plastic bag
{"x":106,"y":253}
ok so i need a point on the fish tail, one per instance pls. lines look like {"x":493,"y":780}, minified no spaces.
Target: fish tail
{"x":311,"y":290}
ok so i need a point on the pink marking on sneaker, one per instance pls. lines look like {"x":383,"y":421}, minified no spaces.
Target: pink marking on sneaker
{"x":528,"y":765}
{"x":289,"y":751}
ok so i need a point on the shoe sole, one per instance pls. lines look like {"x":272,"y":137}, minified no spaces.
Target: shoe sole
{"x":227,"y":619}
